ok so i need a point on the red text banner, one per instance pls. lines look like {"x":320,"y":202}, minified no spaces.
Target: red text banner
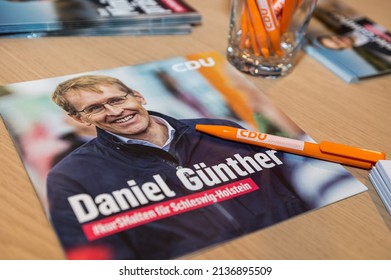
{"x":133,"y":218}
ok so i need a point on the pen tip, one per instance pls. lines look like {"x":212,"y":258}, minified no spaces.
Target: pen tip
{"x":201,"y":127}
{"x":217,"y":130}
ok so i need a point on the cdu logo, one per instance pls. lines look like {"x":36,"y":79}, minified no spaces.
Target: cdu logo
{"x":193,"y":64}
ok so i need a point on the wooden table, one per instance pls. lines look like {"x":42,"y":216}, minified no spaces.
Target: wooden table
{"x":318,"y":101}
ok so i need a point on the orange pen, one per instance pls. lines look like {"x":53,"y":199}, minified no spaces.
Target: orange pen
{"x":329,"y":151}
{"x":287,"y":14}
{"x":271,"y":24}
{"x":244,"y":25}
{"x":253,"y":37}
{"x":257,"y":25}
{"x":278,"y":5}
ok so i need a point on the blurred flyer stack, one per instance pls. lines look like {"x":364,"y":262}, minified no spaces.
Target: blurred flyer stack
{"x":348,"y":43}
{"x":380,"y":177}
{"x":34,"y":18}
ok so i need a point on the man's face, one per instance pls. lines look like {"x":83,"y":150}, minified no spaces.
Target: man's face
{"x":336,"y":42}
{"x":129,"y":119}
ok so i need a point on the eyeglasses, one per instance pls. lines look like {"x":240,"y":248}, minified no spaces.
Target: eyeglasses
{"x":99,"y":108}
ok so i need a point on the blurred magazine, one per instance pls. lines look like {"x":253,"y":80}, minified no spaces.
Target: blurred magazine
{"x":59,"y":15}
{"x":380,"y":177}
{"x":349,"y":44}
{"x":139,"y":30}
{"x":110,"y":199}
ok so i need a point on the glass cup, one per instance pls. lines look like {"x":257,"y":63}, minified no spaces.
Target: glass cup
{"x":266,"y":35}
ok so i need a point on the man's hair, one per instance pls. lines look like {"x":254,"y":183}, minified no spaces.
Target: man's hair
{"x":86,"y":82}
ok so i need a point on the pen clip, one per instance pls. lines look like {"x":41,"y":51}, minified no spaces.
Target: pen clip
{"x":351,"y":152}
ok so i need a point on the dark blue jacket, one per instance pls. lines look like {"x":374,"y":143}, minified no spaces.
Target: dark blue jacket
{"x":105,"y":164}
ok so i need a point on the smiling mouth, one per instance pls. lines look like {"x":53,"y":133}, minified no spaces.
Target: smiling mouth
{"x":124,"y":119}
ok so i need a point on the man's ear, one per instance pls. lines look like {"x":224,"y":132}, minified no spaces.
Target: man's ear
{"x":79,"y":118}
{"x":139,"y":97}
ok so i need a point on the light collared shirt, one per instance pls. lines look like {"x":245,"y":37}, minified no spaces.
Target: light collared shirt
{"x":166,"y":145}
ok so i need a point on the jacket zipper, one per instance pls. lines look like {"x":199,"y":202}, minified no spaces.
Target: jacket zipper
{"x":216,"y":207}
